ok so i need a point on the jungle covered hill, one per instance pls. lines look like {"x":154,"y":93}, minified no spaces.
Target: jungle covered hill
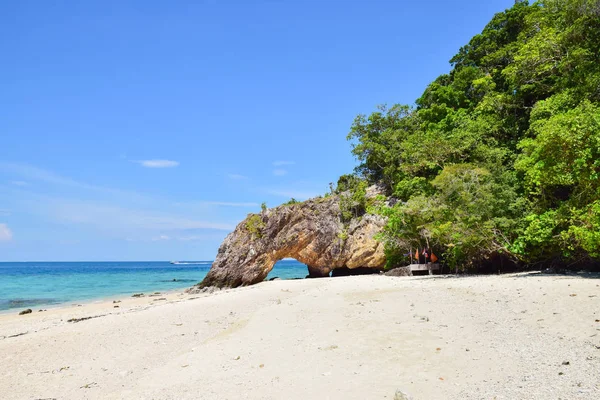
{"x":498,"y":162}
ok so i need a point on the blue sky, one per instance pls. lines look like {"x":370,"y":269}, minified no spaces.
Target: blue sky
{"x":146,"y":130}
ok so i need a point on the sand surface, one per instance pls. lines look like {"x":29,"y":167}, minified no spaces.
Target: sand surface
{"x":525,"y":336}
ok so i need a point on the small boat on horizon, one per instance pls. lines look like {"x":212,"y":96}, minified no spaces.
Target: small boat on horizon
{"x":190,"y":262}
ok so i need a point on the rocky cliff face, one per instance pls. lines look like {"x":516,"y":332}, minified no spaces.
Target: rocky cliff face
{"x":312,"y":232}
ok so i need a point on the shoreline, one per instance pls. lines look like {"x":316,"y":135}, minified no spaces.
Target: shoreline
{"x":180,"y":291}
{"x":80,"y":282}
{"x":105,"y":300}
{"x":71,"y":304}
{"x":358,"y":337}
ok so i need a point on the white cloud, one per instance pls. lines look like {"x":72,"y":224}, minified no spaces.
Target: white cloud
{"x":279,"y":172}
{"x":161,"y":238}
{"x":5,"y":233}
{"x":282,"y":163}
{"x":19,"y":183}
{"x":158,"y":163}
{"x":236,"y":176}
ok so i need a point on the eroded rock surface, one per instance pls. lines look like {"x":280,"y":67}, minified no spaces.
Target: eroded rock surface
{"x":312,"y":232}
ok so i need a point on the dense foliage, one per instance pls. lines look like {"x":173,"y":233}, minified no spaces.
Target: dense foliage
{"x":500,"y":158}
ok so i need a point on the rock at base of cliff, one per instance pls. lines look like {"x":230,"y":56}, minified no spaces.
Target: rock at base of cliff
{"x":401,"y":271}
{"x":202,"y":290}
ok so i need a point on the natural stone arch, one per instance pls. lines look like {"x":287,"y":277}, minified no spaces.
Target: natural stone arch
{"x":311,"y":232}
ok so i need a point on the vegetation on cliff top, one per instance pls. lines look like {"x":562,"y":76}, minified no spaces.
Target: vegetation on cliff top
{"x":499,"y":158}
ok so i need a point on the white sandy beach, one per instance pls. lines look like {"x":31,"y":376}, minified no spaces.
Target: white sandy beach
{"x":525,"y":336}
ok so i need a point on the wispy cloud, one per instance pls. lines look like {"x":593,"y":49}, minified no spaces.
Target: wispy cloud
{"x":113,"y":212}
{"x":201,"y":207}
{"x":228,"y":204}
{"x":158,"y":163}
{"x":19,"y":183}
{"x":179,"y":238}
{"x":196,"y":238}
{"x":296,"y":194}
{"x":192,"y":238}
{"x":42,"y":175}
{"x":279,"y":172}
{"x":6,"y":234}
{"x":161,"y":238}
{"x":116,"y":219}
{"x":282,"y":163}
{"x":236,"y":176}
{"x":39,"y":174}
{"x":4,"y":212}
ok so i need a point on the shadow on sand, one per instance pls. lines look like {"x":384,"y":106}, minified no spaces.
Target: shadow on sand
{"x":520,"y":275}
{"x":567,"y":274}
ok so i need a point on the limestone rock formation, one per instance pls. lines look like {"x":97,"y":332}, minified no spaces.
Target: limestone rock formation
{"x":312,"y":232}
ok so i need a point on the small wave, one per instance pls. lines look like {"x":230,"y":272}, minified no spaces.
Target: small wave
{"x":22,"y":303}
{"x":180,"y":280}
{"x":191,"y":263}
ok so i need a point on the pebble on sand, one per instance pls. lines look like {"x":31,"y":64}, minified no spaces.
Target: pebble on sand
{"x":399,"y":395}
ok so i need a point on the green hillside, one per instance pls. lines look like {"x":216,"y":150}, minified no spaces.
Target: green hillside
{"x":499,"y":160}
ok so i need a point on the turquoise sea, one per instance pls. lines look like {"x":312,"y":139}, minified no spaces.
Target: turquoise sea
{"x":37,"y":284}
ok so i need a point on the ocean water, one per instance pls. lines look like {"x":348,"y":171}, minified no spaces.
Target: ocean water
{"x":37,"y":284}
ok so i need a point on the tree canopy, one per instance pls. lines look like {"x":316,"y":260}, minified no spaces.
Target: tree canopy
{"x":499,"y":158}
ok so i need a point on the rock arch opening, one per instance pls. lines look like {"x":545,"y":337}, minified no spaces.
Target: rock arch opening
{"x":288,"y":268}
